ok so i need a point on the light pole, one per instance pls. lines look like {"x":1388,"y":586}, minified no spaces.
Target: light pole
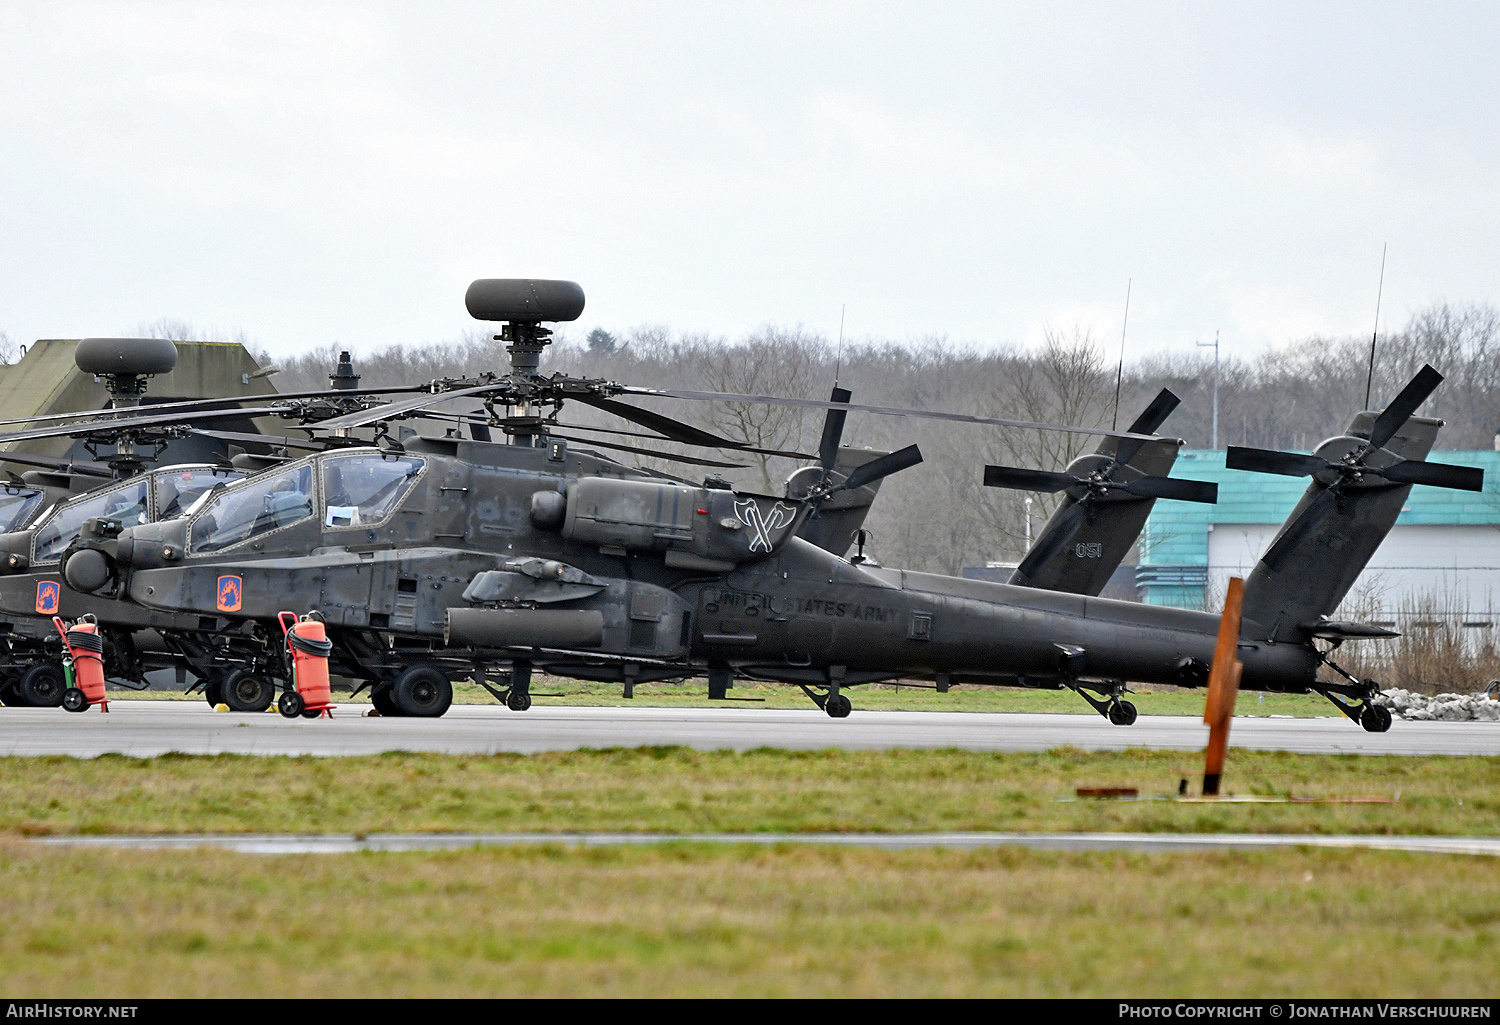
{"x":1215,"y":346}
{"x":1028,"y":520}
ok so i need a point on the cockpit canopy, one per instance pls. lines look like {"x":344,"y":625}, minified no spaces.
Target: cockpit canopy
{"x":159,"y":495}
{"x":360,"y":489}
{"x":17,"y":505}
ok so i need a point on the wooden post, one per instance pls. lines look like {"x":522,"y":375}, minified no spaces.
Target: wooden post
{"x":1223,"y":686}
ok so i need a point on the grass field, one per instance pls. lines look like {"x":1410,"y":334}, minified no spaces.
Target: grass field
{"x":1149,"y":700}
{"x":680,"y":790}
{"x":689,"y":920}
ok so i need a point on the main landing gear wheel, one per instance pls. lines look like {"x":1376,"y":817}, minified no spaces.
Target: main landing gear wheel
{"x":380,"y":698}
{"x":290,"y":704}
{"x":838,"y":706}
{"x":74,"y":700}
{"x":1122,"y":713}
{"x":518,"y":701}
{"x":422,"y":692}
{"x":9,"y":695}
{"x":246,"y":692}
{"x":1375,"y":718}
{"x":41,"y":686}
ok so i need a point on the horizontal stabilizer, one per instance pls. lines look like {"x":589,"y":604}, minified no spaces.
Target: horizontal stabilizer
{"x":1344,"y":630}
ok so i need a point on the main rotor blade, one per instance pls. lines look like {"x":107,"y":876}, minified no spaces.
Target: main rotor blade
{"x":57,"y":465}
{"x":390,"y":410}
{"x":1174,"y":488}
{"x":776,"y":400}
{"x":1311,"y":520}
{"x":1021,"y":479}
{"x":1264,"y":460}
{"x":151,"y":408}
{"x":1434,"y":475}
{"x":1150,"y":419}
{"x":666,"y":426}
{"x":134,"y":423}
{"x":1393,"y":417}
{"x":270,"y":440}
{"x":833,"y":430}
{"x":876,"y":469}
{"x":694,"y":460}
{"x":676,"y":430}
{"x":1054,"y":538}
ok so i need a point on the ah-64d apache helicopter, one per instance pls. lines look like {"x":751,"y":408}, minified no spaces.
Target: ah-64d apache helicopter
{"x":42,"y":513}
{"x":439,"y":558}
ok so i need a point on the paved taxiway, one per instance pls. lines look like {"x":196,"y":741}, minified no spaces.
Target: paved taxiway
{"x":335,"y":843}
{"x":148,"y":728}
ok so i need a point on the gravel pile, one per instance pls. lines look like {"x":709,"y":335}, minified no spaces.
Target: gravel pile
{"x":1441,"y":707}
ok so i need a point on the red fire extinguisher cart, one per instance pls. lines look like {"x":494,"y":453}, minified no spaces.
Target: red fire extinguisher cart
{"x":308,"y":645}
{"x":83,"y":664}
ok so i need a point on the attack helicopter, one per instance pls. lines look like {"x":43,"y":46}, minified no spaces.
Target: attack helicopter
{"x":44,"y":512}
{"x":433,"y":559}
{"x":366,"y":576}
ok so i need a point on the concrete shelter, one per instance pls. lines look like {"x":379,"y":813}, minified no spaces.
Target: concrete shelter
{"x":46,"y":381}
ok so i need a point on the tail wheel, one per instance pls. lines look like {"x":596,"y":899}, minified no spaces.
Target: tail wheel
{"x":422,"y":692}
{"x":838,"y":706}
{"x":41,"y":686}
{"x":1122,"y":713}
{"x":1375,"y":718}
{"x":246,"y":692}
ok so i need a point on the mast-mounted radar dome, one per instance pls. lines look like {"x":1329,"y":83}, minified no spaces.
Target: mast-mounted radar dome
{"x":529,"y":300}
{"x":130,"y":357}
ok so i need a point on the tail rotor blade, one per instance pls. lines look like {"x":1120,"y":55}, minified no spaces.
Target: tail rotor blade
{"x":1174,"y":488}
{"x":1021,"y":479}
{"x":886,"y":465}
{"x":1054,"y":538}
{"x":1150,"y":419}
{"x":1154,"y":415}
{"x":1261,"y":460}
{"x":833,"y":430}
{"x":1434,"y":475}
{"x":1394,"y":416}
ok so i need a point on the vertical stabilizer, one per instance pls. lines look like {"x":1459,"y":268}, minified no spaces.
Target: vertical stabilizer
{"x":834,"y":525}
{"x":1333,"y":532}
{"x":1080,"y":558}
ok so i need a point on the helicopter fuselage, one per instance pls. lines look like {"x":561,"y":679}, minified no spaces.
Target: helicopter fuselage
{"x":572,"y":562}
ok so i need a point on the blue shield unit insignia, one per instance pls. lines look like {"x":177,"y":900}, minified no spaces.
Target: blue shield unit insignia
{"x":48,"y":595}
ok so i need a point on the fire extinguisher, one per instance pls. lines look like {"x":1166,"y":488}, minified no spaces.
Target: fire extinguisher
{"x":308,"y":645}
{"x":83,"y":664}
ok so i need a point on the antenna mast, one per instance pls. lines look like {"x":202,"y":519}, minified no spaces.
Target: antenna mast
{"x":1379,"y":291}
{"x":1114,"y":423}
{"x":838,"y":363}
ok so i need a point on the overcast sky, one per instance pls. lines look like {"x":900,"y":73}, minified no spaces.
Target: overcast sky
{"x":317,"y":173}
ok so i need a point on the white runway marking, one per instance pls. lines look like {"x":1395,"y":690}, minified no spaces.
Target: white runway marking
{"x":149,"y":728}
{"x":1142,"y":842}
